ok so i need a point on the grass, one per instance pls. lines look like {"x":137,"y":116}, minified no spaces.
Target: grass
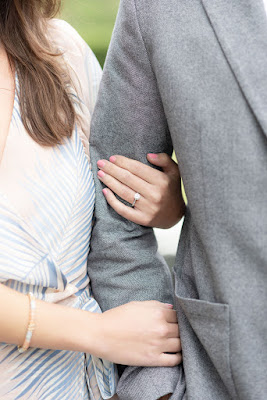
{"x":94,"y":20}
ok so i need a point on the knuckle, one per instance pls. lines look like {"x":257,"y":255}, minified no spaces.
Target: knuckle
{"x":165,"y":182}
{"x":126,"y":175}
{"x":163,"y":331}
{"x":177,"y":345}
{"x":176,"y":330}
{"x":119,"y":158}
{"x":159,"y":313}
{"x":156,"y":197}
{"x":138,"y":169}
{"x":154,"y":211}
{"x":146,"y":220}
{"x":174,"y":362}
{"x":155,"y":344}
{"x":179,"y":358}
{"x":124,"y":193}
{"x":151,"y":358}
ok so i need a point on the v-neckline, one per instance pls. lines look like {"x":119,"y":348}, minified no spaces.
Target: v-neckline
{"x":10,"y":122}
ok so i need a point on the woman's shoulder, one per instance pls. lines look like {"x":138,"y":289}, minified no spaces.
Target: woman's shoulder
{"x":83,"y":66}
{"x":65,"y":37}
{"x":78,"y":56}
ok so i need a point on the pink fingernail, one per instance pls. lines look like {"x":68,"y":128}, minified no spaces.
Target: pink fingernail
{"x":169,"y":305}
{"x":152,"y":155}
{"x":101,"y":174}
{"x":105,"y":192}
{"x":101,"y":163}
{"x":112,"y":159}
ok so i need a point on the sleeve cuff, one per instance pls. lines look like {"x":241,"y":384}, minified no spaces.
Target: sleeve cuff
{"x":151,"y":383}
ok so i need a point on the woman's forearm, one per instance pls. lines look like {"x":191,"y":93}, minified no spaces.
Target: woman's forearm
{"x":137,"y":333}
{"x":56,"y":327}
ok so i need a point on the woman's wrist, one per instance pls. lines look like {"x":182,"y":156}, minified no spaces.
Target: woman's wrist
{"x":130,"y":334}
{"x":57,"y":327}
{"x":65,"y":328}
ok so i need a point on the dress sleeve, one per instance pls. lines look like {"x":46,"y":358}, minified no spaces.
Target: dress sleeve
{"x":123,"y":263}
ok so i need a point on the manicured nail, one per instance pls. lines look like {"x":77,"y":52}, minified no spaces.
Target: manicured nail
{"x":101,"y":174}
{"x":101,"y":163}
{"x":112,"y":159}
{"x":169,"y":305}
{"x":152,"y":155}
{"x":105,"y":192}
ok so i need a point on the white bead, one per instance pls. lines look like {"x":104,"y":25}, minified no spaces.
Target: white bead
{"x":137,"y":196}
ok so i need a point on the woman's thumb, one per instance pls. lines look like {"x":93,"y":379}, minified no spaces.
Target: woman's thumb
{"x":165,"y":162}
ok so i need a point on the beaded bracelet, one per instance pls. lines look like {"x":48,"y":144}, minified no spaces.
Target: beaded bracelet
{"x":31,"y":325}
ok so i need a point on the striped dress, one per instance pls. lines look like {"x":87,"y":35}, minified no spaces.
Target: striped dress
{"x":46,"y":208}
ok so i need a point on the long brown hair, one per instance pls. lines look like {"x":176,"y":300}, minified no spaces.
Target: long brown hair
{"x":46,"y":108}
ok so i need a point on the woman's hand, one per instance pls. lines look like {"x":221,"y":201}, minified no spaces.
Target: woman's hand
{"x":140,"y":334}
{"x":161,"y":203}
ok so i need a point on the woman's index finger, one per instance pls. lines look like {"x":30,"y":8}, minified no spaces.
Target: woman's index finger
{"x":139,"y":169}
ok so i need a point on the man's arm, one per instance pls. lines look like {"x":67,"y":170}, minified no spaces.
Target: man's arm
{"x":128,"y":120}
{"x":123,"y":262}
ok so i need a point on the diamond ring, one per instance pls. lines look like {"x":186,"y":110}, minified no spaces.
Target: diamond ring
{"x":137,"y":197}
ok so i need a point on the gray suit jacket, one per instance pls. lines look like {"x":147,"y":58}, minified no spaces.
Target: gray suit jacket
{"x":192,"y":73}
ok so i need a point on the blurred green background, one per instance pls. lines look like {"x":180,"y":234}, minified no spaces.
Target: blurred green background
{"x":94,"y":20}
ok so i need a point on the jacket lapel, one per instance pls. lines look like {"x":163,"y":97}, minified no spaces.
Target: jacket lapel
{"x":241,"y":29}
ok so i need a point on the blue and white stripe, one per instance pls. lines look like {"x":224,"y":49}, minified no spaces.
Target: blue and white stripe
{"x":45,"y":231}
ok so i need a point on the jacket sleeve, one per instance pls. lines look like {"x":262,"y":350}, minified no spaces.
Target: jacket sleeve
{"x":129,"y":119}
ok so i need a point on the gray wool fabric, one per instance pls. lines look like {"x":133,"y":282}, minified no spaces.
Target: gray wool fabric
{"x":191,"y":74}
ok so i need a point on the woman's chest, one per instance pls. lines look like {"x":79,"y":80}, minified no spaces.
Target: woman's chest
{"x":46,"y":189}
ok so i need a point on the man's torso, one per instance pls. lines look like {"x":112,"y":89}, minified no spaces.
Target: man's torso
{"x":210,"y":61}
